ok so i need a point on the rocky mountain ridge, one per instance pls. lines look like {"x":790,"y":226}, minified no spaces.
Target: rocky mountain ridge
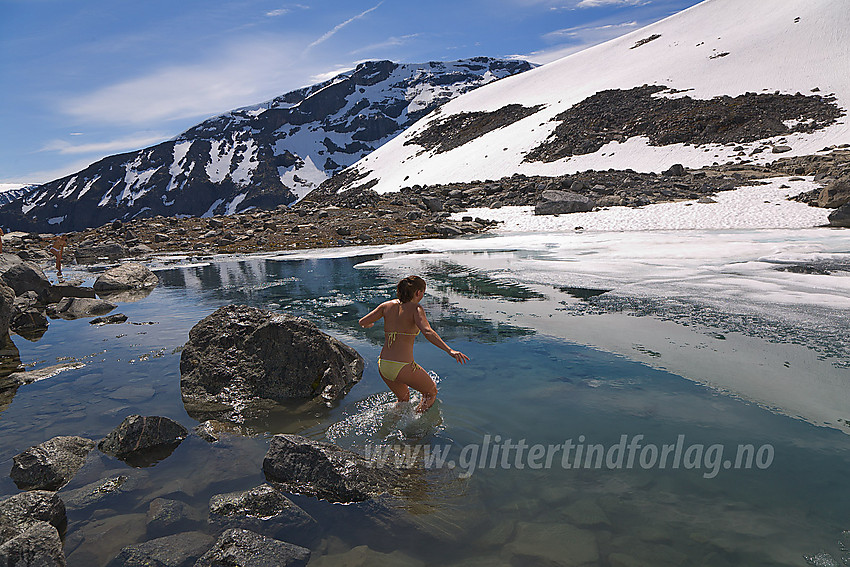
{"x":255,"y":157}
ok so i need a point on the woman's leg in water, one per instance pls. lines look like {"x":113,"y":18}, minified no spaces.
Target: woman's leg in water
{"x":401,"y":391}
{"x":416,"y":377}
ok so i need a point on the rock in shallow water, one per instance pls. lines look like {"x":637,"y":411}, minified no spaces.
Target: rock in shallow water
{"x":38,"y":545}
{"x":130,"y":275}
{"x":180,"y":550}
{"x":52,"y":464}
{"x":79,"y":307}
{"x":264,"y":510}
{"x":240,"y":355}
{"x":304,"y":466}
{"x":248,"y":549}
{"x":143,"y":441}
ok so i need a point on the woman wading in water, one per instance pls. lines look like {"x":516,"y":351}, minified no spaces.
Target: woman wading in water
{"x":403,"y":319}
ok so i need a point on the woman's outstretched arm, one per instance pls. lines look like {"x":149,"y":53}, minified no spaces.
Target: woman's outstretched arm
{"x":369,"y":320}
{"x":432,"y":336}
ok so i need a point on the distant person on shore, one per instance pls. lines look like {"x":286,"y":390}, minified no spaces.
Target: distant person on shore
{"x":56,"y":249}
{"x":403,"y":319}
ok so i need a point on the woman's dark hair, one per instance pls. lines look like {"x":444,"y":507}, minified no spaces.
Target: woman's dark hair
{"x":407,"y":288}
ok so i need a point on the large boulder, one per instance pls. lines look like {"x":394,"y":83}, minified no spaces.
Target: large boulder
{"x":562,"y":202}
{"x":303,"y":466}
{"x":180,"y":550}
{"x":835,"y":194}
{"x":22,"y":512}
{"x":241,"y":355}
{"x":36,"y":545}
{"x":264,"y":510}
{"x":23,"y":277}
{"x":130,"y":275}
{"x":90,"y":252}
{"x":143,"y":441}
{"x":52,"y":464}
{"x":79,"y":307}
{"x":840,"y":216}
{"x":248,"y":549}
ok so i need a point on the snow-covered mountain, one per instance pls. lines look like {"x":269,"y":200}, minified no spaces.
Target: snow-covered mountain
{"x":725,"y":81}
{"x":260,"y":156}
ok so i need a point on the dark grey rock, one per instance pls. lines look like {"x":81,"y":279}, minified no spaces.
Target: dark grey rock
{"x":562,"y":202}
{"x":781,"y":149}
{"x":705,"y":199}
{"x":303,"y":466}
{"x":143,"y":441}
{"x":79,"y":307}
{"x":180,"y":550}
{"x":676,"y":170}
{"x":240,"y":355}
{"x":109,"y":319}
{"x":264,"y":510}
{"x":29,"y":318}
{"x":57,"y":291}
{"x":130,"y":275}
{"x":52,"y":464}
{"x":23,"y":277}
{"x":7,"y":301}
{"x":248,"y":549}
{"x":166,"y":517}
{"x":92,"y":252}
{"x":36,"y":545}
{"x":434,"y":204}
{"x":21,"y":511}
{"x":840,"y":217}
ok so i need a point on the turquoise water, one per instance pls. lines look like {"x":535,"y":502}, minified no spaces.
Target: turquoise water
{"x":523,"y":382}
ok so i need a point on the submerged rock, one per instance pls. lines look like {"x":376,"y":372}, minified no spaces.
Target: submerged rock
{"x":43,"y":373}
{"x":265,"y":510}
{"x":323,"y":470}
{"x":180,"y":550}
{"x":52,"y":464}
{"x":241,"y":355}
{"x":130,"y":275}
{"x":79,"y":307}
{"x":143,"y":441}
{"x":29,"y":318}
{"x":249,"y":549}
{"x":166,"y":517}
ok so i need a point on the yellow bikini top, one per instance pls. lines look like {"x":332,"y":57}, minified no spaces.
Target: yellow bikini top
{"x":392,"y":335}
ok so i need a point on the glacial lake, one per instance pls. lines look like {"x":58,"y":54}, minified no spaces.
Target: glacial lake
{"x":692,"y":343}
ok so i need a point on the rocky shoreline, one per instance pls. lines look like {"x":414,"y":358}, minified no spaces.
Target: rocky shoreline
{"x":330,"y":218}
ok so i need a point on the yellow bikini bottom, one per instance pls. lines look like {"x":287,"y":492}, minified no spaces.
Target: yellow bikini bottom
{"x":389,"y":369}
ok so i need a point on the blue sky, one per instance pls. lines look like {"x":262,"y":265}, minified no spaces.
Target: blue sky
{"x":84,"y":79}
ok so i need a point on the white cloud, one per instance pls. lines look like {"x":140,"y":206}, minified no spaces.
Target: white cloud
{"x":286,"y":10}
{"x":130,"y":143}
{"x":394,"y":41}
{"x":240,"y":75}
{"x":572,"y":40}
{"x":338,"y":27}
{"x":44,"y":176}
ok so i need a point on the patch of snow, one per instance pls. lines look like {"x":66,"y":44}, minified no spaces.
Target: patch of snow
{"x":212,"y":208}
{"x":755,"y":207}
{"x":231,"y":207}
{"x":56,"y":220}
